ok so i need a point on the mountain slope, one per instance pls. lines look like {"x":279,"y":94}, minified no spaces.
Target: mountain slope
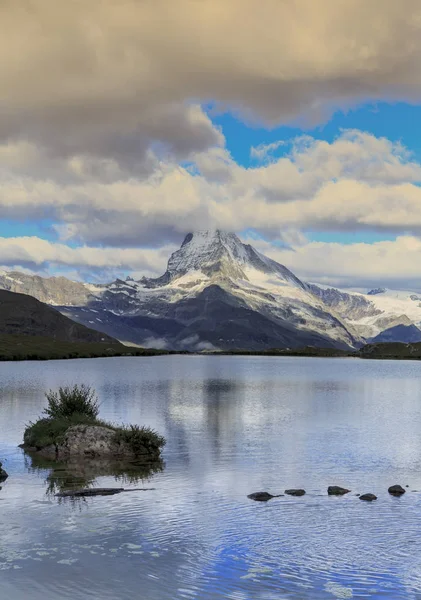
{"x":23,"y":315}
{"x":408,"y":334}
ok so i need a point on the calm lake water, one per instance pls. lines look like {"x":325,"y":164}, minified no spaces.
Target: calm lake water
{"x":234,"y":425}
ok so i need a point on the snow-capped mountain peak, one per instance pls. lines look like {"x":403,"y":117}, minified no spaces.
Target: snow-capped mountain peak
{"x":218,"y":254}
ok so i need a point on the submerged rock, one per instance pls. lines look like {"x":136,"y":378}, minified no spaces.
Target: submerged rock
{"x":335,"y":490}
{"x":3,"y":474}
{"x":262,"y":496}
{"x":89,"y":492}
{"x":396,"y":490}
{"x":295,"y":492}
{"x":368,"y":497}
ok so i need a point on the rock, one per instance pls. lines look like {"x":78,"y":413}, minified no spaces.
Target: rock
{"x":91,"y":441}
{"x":261,"y":496}
{"x":3,"y":474}
{"x":368,"y":497}
{"x":94,"y":442}
{"x":294,"y":492}
{"x":396,"y":490}
{"x":335,"y":490}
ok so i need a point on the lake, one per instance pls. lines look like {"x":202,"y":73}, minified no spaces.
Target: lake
{"x":234,"y":425}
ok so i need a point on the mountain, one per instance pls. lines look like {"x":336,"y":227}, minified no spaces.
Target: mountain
{"x":23,"y":315}
{"x":219,"y":293}
{"x":408,"y":334}
{"x":378,"y":311}
{"x":52,"y":290}
{"x":216,"y":293}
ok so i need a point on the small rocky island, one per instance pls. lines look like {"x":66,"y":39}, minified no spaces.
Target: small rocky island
{"x":70,"y":428}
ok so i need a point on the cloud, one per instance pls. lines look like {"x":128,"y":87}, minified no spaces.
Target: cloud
{"x":356,"y":182}
{"x":395,"y":264}
{"x":38,"y":254}
{"x":103,"y":133}
{"x":113,"y":79}
{"x":263,"y":152}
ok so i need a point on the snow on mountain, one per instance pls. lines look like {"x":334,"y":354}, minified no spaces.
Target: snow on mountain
{"x":375,"y":312}
{"x":218,"y":292}
{"x":221,"y":254}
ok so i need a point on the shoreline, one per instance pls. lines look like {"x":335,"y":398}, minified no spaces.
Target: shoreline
{"x":22,"y":348}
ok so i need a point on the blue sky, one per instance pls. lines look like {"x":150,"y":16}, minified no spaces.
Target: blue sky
{"x":395,"y":121}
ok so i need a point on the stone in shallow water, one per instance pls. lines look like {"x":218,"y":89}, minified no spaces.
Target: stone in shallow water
{"x":335,"y":490}
{"x":396,"y":490}
{"x":368,"y":497}
{"x":260,"y":496}
{"x":295,"y":492}
{"x":3,"y":474}
{"x":90,"y":492}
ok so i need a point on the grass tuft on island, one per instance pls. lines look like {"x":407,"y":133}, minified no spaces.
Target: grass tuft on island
{"x":78,"y":405}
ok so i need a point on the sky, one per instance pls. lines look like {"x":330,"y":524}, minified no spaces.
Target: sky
{"x":126,"y":124}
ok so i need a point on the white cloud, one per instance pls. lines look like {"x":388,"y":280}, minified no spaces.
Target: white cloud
{"x":36,"y":253}
{"x":356,"y":182}
{"x":263,"y":152}
{"x":395,"y":263}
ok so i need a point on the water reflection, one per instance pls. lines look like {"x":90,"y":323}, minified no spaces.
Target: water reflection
{"x":63,"y":476}
{"x":234,"y":425}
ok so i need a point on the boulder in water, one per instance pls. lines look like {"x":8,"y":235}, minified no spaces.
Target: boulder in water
{"x":396,"y":490}
{"x":335,"y":490}
{"x":368,"y":497}
{"x":295,"y":492}
{"x":260,"y":496}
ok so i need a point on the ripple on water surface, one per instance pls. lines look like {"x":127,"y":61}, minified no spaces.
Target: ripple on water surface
{"x":234,"y":425}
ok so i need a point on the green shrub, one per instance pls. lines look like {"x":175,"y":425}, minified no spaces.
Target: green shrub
{"x":79,"y":399}
{"x":46,"y":432}
{"x":140,"y":439}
